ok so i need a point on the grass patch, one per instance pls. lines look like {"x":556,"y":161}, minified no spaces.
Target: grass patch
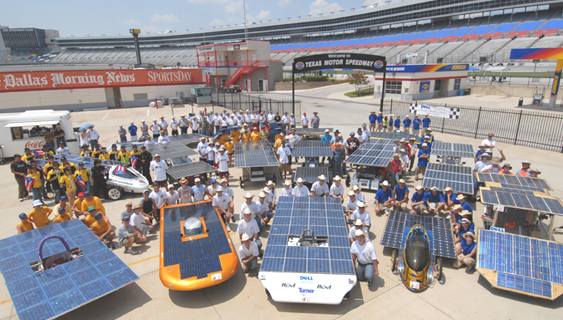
{"x":360,"y":93}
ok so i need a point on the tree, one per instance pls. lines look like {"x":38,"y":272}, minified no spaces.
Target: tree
{"x":358,"y":79}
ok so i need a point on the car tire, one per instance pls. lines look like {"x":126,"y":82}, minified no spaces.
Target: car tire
{"x":115,"y":193}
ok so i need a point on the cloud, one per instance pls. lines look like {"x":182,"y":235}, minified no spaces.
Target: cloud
{"x":233,"y":6}
{"x":158,"y":18}
{"x":284,"y":3}
{"x":263,"y":14}
{"x":323,"y":6}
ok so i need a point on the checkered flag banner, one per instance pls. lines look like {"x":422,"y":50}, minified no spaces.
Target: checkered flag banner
{"x":435,"y":111}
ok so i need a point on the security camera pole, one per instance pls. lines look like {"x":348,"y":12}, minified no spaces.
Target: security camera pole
{"x":135,"y":33}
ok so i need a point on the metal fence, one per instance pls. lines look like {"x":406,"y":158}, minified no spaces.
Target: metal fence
{"x":242,"y":101}
{"x":534,"y":129}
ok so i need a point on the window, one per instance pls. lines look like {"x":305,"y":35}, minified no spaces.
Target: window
{"x":437,"y":85}
{"x":457,"y":84}
{"x":393,"y":87}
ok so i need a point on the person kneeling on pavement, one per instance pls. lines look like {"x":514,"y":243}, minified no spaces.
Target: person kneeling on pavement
{"x":248,"y":254}
{"x":128,"y":236}
{"x":466,"y":251}
{"x":363,"y":255}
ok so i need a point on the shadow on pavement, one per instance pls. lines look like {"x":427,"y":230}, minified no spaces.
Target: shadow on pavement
{"x":112,"y":306}
{"x":556,"y":304}
{"x":201,"y":298}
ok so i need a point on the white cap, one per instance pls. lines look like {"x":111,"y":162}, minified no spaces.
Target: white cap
{"x":322,"y":177}
{"x":248,"y":195}
{"x":419,"y":187}
{"x":300,"y":180}
{"x":266,"y":190}
{"x":460,"y":197}
{"x":245,"y":237}
{"x":434,"y":188}
{"x":37,"y":203}
{"x":351,"y":193}
{"x":448,"y":189}
{"x":465,"y":220}
{"x":358,"y":233}
{"x":197,"y":180}
{"x":361,"y":204}
{"x":464,"y":213}
{"x":287,"y":182}
{"x":425,"y":144}
{"x":336,"y":178}
{"x":358,"y":222}
{"x":270,"y":183}
{"x":219,"y":189}
{"x":355,"y":187}
{"x":247,"y":211}
{"x":262,"y":194}
{"x":385,"y":183}
{"x":326,"y":130}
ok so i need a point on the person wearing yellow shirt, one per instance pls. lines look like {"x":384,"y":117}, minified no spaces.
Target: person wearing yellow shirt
{"x":84,"y":175}
{"x":278,"y":142}
{"x":63,"y":203}
{"x":96,"y":153}
{"x":113,"y":153}
{"x":255,"y":136}
{"x":235,"y":135}
{"x":91,"y":201}
{"x":102,"y":228}
{"x":24,"y":225}
{"x":68,"y":185}
{"x":104,"y":155}
{"x":34,"y":176}
{"x":123,"y":155}
{"x":62,"y":216}
{"x":39,"y":215}
{"x":88,"y":218}
{"x":245,"y":136}
{"x":77,"y":206}
{"x":65,"y":164}
{"x":229,"y":147}
{"x":85,"y":152}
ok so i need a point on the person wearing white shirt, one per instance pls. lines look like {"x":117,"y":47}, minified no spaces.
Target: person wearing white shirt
{"x":292,"y":121}
{"x":149,"y":142}
{"x":284,"y":152}
{"x":211,"y":150}
{"x":358,"y":225}
{"x":300,"y":190}
{"x":305,"y":121}
{"x":248,"y":253}
{"x":320,"y":187}
{"x":158,"y":169}
{"x":222,"y":160}
{"x":163,"y":124}
{"x":201,"y":148}
{"x":250,"y":205}
{"x":362,"y":214}
{"x":184,"y":124}
{"x":158,"y":197}
{"x":185,"y":191}
{"x":195,"y":124}
{"x":227,"y":190}
{"x":337,"y":188}
{"x":489,"y":142}
{"x":174,"y":124}
{"x":351,"y":205}
{"x":263,"y":209}
{"x":155,"y":128}
{"x":250,"y":227}
{"x":163,"y":138}
{"x":363,"y":255}
{"x":221,"y":203}
{"x":172,"y":196}
{"x":359,"y":195}
{"x":198,"y":190}
{"x":286,"y":191}
{"x":138,"y":220}
{"x":271,"y":193}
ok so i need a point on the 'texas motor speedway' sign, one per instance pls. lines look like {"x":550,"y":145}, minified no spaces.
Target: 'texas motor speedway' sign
{"x":84,"y":79}
{"x":339,"y":61}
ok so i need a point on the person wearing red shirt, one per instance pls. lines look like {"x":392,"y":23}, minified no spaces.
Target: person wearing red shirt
{"x":396,"y":167}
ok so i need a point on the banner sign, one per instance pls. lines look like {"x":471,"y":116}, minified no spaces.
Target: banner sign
{"x":435,"y":111}
{"x":556,"y":78}
{"x":85,"y":79}
{"x":428,"y":68}
{"x":424,"y":86}
{"x":537,"y":54}
{"x":339,"y":61}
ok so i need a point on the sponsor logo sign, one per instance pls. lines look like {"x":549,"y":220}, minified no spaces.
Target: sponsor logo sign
{"x":86,"y":79}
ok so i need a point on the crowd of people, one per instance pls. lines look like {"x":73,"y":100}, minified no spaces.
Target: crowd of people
{"x":78,"y":191}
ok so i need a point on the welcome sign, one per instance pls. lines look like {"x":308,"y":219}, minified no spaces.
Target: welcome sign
{"x":339,"y":61}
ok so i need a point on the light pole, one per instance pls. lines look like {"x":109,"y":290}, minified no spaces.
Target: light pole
{"x":244,"y":17}
{"x":135,"y":33}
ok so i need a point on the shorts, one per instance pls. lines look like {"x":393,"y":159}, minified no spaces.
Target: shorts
{"x":162,"y":183}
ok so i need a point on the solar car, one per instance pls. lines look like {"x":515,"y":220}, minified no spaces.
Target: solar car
{"x":415,"y":265}
{"x":125,"y":179}
{"x":196,"y":251}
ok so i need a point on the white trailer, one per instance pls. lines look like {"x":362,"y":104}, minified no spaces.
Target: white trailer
{"x":25,"y":130}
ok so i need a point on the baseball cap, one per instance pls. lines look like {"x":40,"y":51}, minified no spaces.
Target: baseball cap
{"x":22,"y":216}
{"x":37,"y":203}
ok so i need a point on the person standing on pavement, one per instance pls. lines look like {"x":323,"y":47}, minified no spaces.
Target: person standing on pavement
{"x":158,"y":169}
{"x":132,"y":131}
{"x":122,"y":134}
{"x":19,"y":169}
{"x":315,"y":120}
{"x":146,"y":157}
{"x":99,"y":179}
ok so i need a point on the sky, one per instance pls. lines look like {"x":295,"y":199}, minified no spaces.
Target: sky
{"x":113,"y":17}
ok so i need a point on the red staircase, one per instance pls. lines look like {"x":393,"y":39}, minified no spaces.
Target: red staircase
{"x":235,"y":77}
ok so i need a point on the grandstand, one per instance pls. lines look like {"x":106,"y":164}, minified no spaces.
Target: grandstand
{"x":436,"y":31}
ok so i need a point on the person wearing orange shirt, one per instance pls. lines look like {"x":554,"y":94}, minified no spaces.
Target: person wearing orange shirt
{"x":235,"y":135}
{"x":102,"y":228}
{"x":255,"y":136}
{"x":36,"y":183}
{"x":24,"y":225}
{"x":88,"y":218}
{"x":39,"y":215}
{"x":62,"y":216}
{"x":67,"y":182}
{"x":245,"y":136}
{"x":77,"y":206}
{"x":229,"y":147}
{"x":92,"y":201}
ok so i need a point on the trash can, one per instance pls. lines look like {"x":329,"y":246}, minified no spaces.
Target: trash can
{"x":520,"y":102}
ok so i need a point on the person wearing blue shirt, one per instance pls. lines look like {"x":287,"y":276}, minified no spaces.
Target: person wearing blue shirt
{"x":466,"y":251}
{"x":450,"y":198}
{"x":465,"y":226}
{"x":435,"y":200}
{"x":426,"y":122}
{"x":397,"y":123}
{"x":132,"y":131}
{"x":390,"y":122}
{"x":326,"y":139}
{"x":426,"y":139}
{"x":423,"y":158}
{"x":379,"y":120}
{"x":401,"y":194}
{"x":482,"y":149}
{"x":416,"y":125}
{"x":383,"y":198}
{"x":418,"y":201}
{"x":372,"y":119}
{"x":407,"y":124}
{"x":464,"y":204}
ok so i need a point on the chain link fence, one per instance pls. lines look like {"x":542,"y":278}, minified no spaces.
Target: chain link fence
{"x":534,"y":129}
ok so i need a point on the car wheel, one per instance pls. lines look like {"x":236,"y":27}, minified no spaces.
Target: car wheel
{"x":114,"y":193}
